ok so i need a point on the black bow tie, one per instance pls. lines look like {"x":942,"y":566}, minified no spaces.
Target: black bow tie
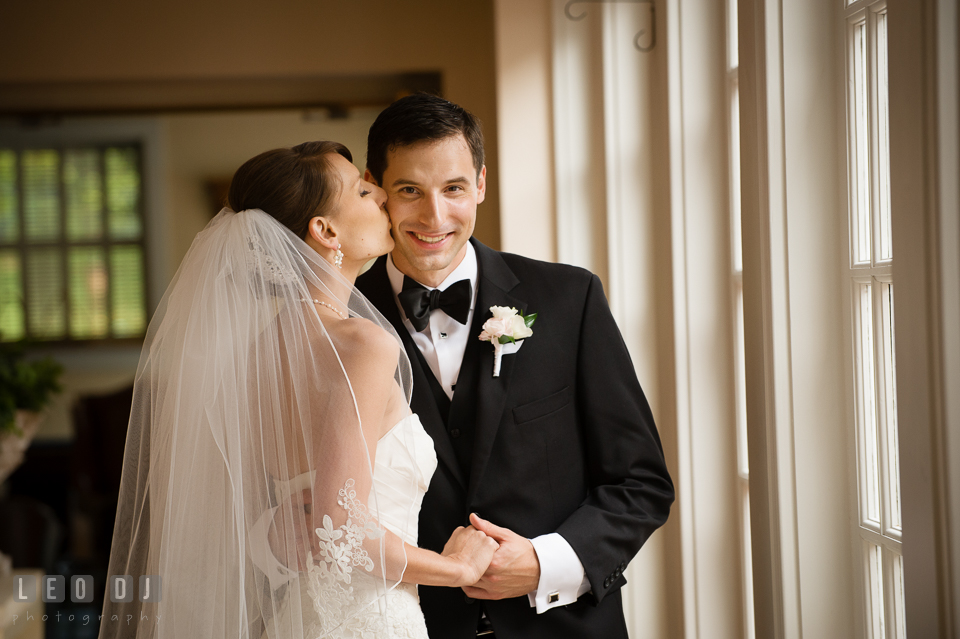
{"x":417,"y":302}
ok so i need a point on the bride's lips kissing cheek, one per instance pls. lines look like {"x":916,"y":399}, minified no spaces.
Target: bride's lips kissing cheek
{"x":433,"y":189}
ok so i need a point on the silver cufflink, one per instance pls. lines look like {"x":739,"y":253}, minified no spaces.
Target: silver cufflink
{"x":553,"y":597}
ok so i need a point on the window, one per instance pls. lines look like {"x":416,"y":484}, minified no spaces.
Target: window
{"x":736,"y":279}
{"x":869,"y":276}
{"x":72,"y":264}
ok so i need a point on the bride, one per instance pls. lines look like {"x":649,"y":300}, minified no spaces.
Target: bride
{"x":273,"y":471}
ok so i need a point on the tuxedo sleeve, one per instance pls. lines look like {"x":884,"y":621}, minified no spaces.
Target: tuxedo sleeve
{"x":629,"y":490}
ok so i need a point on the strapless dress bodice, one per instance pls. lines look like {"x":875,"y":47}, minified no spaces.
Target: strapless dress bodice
{"x":404,"y":464}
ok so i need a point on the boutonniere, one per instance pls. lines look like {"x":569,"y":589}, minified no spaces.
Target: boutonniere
{"x":507,"y":326}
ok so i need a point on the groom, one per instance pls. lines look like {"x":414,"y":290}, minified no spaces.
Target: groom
{"x":558,"y":453}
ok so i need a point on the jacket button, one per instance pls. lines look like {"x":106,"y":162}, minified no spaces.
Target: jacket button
{"x":606,"y":582}
{"x":455,"y":433}
{"x":467,"y":600}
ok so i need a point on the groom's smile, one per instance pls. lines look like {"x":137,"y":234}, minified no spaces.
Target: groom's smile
{"x":432,"y":195}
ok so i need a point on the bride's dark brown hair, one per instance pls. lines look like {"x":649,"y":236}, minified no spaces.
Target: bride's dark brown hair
{"x":293,"y":185}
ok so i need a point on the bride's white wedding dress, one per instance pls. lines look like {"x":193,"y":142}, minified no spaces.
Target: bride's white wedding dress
{"x":364,"y":612}
{"x":240,"y":383}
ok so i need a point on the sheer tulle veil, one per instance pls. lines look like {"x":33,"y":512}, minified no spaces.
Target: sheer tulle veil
{"x":247,"y":468}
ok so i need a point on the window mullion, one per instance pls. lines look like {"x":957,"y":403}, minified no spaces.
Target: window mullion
{"x":142,"y":241}
{"x":22,"y":244}
{"x":105,"y":237}
{"x":64,"y":246}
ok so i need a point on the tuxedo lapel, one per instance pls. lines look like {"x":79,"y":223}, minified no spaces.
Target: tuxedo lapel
{"x":495,"y":282}
{"x":378,"y":291}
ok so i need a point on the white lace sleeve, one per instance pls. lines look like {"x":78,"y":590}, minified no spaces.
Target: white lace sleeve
{"x":343,"y":549}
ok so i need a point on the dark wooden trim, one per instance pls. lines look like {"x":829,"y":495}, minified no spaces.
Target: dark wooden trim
{"x":335,"y":92}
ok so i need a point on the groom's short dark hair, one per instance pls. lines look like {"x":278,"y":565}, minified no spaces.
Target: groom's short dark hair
{"x":420,"y":117}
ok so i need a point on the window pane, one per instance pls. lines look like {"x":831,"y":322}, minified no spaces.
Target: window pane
{"x":11,"y":297}
{"x":126,"y":291}
{"x":82,"y":185}
{"x":874,"y":579}
{"x":732,"y":43}
{"x":41,"y":194}
{"x":900,"y":621}
{"x":9,"y":220}
{"x":88,"y":293}
{"x":747,"y":561}
{"x":45,"y":284}
{"x":883,"y":138}
{"x":890,"y":404}
{"x":735,"y":177}
{"x":861,"y":174}
{"x":869,"y":442}
{"x":741,"y":390}
{"x":123,"y":192}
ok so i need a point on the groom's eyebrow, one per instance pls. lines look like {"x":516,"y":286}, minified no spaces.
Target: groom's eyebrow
{"x":408,"y":182}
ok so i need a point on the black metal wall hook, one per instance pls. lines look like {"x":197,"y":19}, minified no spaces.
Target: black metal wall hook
{"x":648,"y":33}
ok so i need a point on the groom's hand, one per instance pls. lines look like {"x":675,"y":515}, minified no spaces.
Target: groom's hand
{"x":515,"y":569}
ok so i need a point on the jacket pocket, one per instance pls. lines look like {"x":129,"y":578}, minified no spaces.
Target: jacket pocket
{"x":543,"y":406}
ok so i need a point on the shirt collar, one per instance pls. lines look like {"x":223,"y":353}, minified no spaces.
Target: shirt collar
{"x":466,"y":270}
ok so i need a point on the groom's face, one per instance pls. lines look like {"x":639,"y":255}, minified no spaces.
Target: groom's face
{"x":432,"y":195}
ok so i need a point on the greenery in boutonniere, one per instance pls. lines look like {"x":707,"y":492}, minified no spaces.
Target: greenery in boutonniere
{"x":520,"y":332}
{"x":24,"y":385}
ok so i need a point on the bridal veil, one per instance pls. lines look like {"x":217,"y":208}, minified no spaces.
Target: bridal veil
{"x":246,"y":466}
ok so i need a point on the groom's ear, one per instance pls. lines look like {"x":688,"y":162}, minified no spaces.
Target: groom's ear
{"x":322,"y":232}
{"x":368,"y":176}
{"x":482,"y":184}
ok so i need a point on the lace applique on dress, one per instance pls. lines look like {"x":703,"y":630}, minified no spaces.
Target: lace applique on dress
{"x":341,"y":550}
{"x":340,"y":596}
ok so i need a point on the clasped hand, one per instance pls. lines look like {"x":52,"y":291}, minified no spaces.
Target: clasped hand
{"x":472,"y":550}
{"x":511,"y":570}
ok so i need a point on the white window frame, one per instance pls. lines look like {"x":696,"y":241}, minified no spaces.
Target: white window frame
{"x":874,"y":451}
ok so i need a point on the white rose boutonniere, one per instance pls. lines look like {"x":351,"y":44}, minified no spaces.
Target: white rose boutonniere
{"x":507,"y":326}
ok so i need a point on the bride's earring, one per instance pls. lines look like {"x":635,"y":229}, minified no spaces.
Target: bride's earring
{"x":338,"y":257}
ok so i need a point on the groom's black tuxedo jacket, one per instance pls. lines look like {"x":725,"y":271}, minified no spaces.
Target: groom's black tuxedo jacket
{"x":562,"y":441}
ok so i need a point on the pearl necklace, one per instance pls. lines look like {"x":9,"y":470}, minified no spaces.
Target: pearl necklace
{"x":330,"y":306}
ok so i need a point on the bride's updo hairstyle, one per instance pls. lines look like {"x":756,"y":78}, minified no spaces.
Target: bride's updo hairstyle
{"x":293,"y":185}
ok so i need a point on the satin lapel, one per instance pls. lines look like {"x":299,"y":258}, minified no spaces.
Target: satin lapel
{"x":378,"y":291}
{"x":496,"y":280}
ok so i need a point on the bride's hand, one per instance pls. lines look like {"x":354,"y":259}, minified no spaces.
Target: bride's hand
{"x":473,"y":551}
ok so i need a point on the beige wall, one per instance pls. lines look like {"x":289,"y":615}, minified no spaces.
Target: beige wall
{"x":204,"y":146}
{"x":183,"y":39}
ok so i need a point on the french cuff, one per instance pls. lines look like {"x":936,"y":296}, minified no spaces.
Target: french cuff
{"x":562,"y":578}
{"x":261,"y":555}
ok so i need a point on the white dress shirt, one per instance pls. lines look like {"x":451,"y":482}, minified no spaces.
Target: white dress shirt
{"x":442,"y":343}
